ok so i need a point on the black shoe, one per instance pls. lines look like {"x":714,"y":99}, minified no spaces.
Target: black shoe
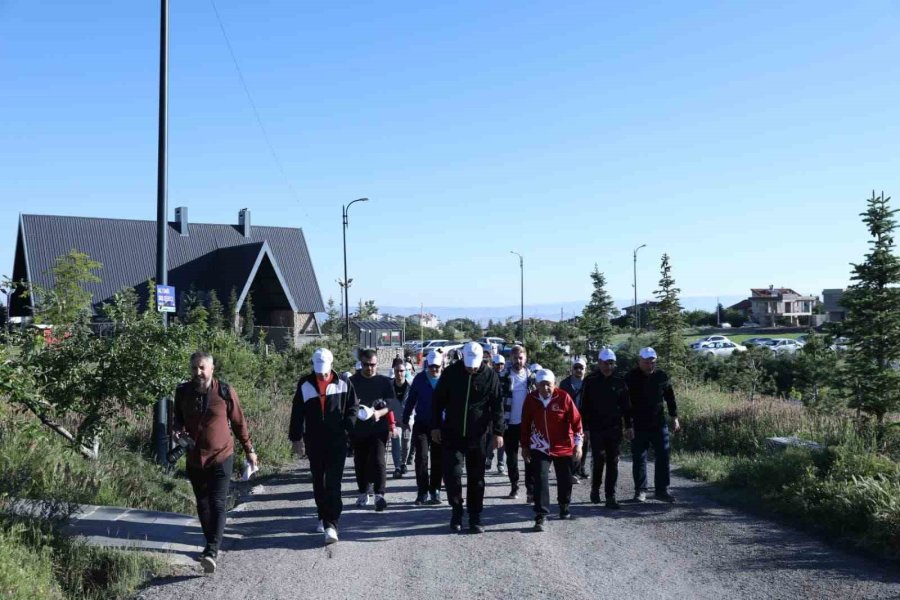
{"x":208,"y":561}
{"x":403,"y":469}
{"x":456,"y":521}
{"x":665,"y":497}
{"x":539,"y":524}
{"x":611,"y":502}
{"x":595,"y":496}
{"x":564,"y":513}
{"x":529,"y":498}
{"x":513,"y":493}
{"x":582,"y":473}
{"x":475,"y":525}
{"x":380,"y":503}
{"x":421,"y":499}
{"x":575,"y":480}
{"x":398,"y":473}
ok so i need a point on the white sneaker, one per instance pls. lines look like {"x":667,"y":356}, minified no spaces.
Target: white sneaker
{"x":331,"y":536}
{"x":320,"y":528}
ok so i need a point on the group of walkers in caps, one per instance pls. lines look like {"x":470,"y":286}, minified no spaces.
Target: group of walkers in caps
{"x":454,"y":418}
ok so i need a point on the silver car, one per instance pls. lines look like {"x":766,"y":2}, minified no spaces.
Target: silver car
{"x":726,"y":348}
{"x":784,"y":345}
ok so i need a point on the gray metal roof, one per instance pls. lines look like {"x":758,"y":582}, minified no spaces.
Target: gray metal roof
{"x":375,"y":324}
{"x":211,"y":257}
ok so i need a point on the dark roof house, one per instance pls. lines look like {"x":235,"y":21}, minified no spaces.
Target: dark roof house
{"x":270,"y":263}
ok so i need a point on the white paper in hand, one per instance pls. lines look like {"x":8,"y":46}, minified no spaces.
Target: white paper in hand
{"x":365,"y":413}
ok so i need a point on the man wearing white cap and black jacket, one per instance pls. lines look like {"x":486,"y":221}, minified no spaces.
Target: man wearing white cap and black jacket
{"x":605,"y":407}
{"x":551,"y":433}
{"x":465,"y":409}
{"x":649,"y":388}
{"x":323,"y":413}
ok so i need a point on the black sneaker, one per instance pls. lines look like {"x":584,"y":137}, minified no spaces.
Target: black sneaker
{"x":539,"y":524}
{"x":475,"y":525}
{"x":665,"y":497}
{"x":529,"y":498}
{"x":208,"y":561}
{"x":403,"y":469}
{"x":595,"y":496}
{"x":398,"y":473}
{"x":611,"y":503}
{"x":575,"y":480}
{"x":380,"y":503}
{"x":421,"y":499}
{"x":564,"y":513}
{"x":456,"y":520}
{"x":640,"y":496}
{"x":513,"y":493}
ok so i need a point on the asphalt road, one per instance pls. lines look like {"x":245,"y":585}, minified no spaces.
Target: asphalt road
{"x":696,"y":548}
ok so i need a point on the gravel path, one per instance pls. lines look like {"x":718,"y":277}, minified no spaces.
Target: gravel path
{"x":693,"y":549}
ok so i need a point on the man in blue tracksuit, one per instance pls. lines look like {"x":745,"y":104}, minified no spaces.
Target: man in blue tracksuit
{"x":419,"y":400}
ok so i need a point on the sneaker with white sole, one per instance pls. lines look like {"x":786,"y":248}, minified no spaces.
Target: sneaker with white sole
{"x":640,"y":497}
{"x":208,"y":563}
{"x":364,"y":499}
{"x":331,"y":536}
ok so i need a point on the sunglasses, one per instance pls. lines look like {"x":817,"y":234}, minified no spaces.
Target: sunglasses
{"x":374,"y":364}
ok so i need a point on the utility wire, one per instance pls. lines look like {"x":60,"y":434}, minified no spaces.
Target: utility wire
{"x":259,"y":121}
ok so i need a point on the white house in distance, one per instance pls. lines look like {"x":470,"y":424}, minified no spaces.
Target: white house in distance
{"x":426,"y":320}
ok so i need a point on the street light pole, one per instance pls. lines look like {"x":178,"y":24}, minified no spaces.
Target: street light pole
{"x":344,"y":212}
{"x":160,"y":413}
{"x":637,"y":314}
{"x":522,"y":294}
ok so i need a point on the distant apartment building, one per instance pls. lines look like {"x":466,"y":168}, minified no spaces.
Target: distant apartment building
{"x":427,"y":320}
{"x":831,"y":302}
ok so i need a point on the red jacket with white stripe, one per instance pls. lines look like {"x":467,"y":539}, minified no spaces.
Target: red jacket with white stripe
{"x":552,"y":427}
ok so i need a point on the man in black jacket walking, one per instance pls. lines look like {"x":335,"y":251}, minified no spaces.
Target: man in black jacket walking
{"x":465,"y":409}
{"x":574,"y":386}
{"x":649,"y":388}
{"x":605,"y":406}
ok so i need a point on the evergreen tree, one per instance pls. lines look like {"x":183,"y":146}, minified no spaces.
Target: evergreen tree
{"x":194,"y":311}
{"x":216,"y":317}
{"x":366,"y":310}
{"x":815,"y":366}
{"x":249,"y":321}
{"x":595,"y":319}
{"x":668,"y":320}
{"x":332,"y":322}
{"x":65,"y":302}
{"x":873,"y":318}
{"x":232,"y":311}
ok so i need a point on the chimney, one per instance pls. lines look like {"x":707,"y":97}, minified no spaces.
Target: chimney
{"x":244,"y":222}
{"x":181,"y":220}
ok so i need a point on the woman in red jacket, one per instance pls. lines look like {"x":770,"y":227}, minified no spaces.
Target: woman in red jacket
{"x":551,"y":432}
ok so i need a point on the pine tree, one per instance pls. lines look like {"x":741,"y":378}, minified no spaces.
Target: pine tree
{"x":232,"y":311}
{"x":873,"y":318}
{"x":668,"y":320}
{"x":249,"y":316}
{"x":596,"y":316}
{"x":815,"y":366}
{"x":332,"y":318}
{"x":216,"y":316}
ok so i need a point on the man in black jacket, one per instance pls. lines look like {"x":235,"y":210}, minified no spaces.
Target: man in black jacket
{"x":605,"y":406}
{"x":649,"y":388}
{"x":323,"y":414}
{"x":574,"y":386}
{"x":465,"y":409}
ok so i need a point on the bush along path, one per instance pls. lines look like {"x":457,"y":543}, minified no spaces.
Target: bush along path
{"x":695,"y":548}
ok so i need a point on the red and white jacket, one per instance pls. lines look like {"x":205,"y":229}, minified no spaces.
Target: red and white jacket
{"x":551,"y":426}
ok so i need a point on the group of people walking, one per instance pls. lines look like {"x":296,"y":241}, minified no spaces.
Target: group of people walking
{"x":453,"y":418}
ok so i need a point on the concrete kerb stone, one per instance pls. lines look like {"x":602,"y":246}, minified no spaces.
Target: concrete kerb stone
{"x":779,"y":444}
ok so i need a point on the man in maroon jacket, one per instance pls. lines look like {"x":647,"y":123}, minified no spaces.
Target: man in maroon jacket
{"x":204,"y":407}
{"x":551,"y":433}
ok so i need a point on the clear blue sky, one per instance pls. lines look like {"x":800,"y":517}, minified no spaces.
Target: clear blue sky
{"x":741,"y":138}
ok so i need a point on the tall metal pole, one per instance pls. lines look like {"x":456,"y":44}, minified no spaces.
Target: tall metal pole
{"x":637,"y":313}
{"x":344,"y":213}
{"x":160,"y":413}
{"x":522,"y":294}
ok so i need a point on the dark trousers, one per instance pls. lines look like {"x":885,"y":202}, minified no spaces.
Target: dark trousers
{"x":642,"y":441}
{"x":489,"y":453}
{"x":211,"y":490}
{"x":578,"y":466}
{"x":454,"y":455}
{"x":425,"y":447}
{"x":563,"y":467}
{"x":369,"y":461}
{"x":511,"y":442}
{"x":605,"y":447}
{"x":327,"y":467}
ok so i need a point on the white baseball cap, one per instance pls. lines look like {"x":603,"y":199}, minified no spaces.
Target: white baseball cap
{"x":434,"y":358}
{"x":648,"y":352}
{"x":473,"y":354}
{"x":606,"y":354}
{"x":322,"y":360}
{"x":534,"y":368}
{"x":580,"y":361}
{"x":499,"y":360}
{"x":545,"y":375}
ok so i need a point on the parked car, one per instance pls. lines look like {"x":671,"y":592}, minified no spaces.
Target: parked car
{"x":840,"y":344}
{"x":750,"y":324}
{"x":784,"y":345}
{"x":710,"y":338}
{"x":757,"y":341}
{"x":492,"y":340}
{"x":726,"y":348}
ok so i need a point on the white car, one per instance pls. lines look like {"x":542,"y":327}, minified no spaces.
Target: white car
{"x":784,"y":345}
{"x":726,"y":348}
{"x":710,"y":338}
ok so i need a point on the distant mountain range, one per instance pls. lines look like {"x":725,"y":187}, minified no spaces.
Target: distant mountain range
{"x":548,"y":311}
